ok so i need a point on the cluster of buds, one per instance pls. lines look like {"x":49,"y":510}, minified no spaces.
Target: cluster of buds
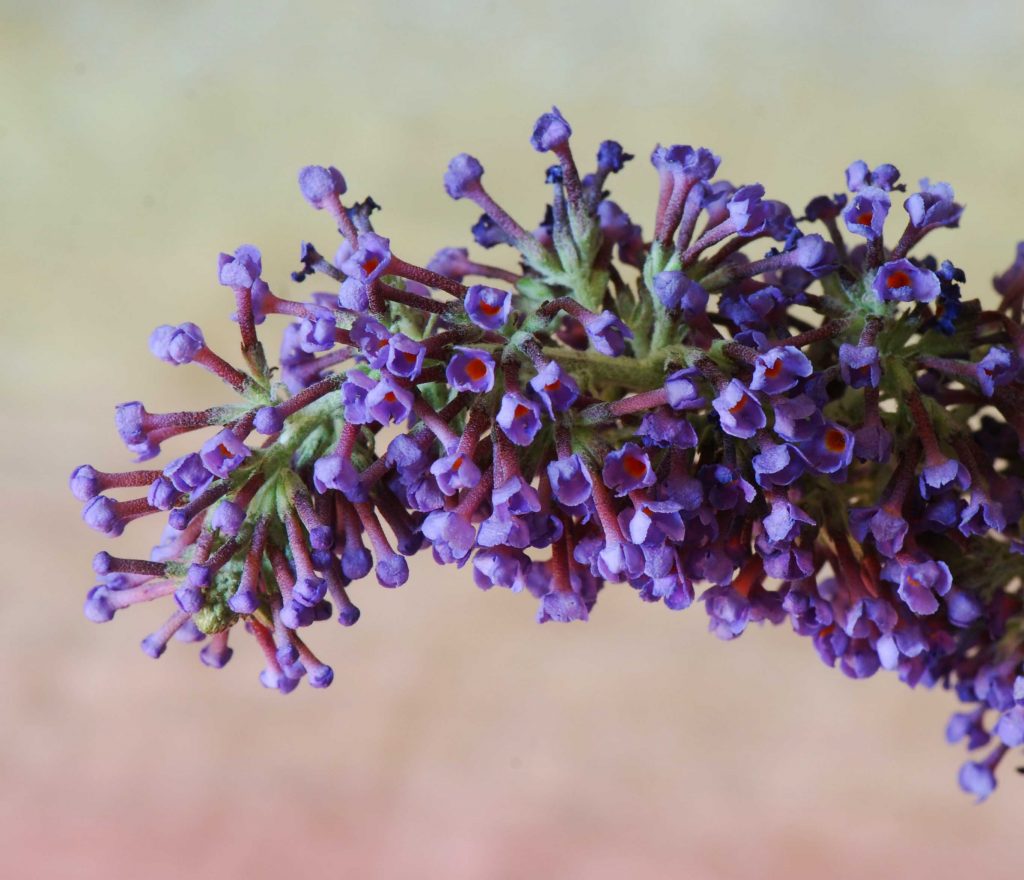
{"x":784,"y":424}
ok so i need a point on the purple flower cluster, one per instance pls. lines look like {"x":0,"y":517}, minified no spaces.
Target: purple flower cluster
{"x":785,"y":424}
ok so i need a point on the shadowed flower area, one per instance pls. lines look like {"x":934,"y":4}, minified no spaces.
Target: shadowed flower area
{"x":744,"y":406}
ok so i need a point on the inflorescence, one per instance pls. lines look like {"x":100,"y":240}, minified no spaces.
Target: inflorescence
{"x":812,"y":427}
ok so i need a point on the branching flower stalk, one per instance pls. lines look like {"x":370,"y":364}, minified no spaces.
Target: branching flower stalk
{"x":785,"y":424}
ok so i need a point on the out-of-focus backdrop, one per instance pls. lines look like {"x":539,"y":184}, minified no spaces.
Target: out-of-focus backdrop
{"x":459,"y":739}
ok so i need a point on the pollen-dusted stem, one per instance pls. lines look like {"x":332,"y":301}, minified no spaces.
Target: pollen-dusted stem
{"x":425,"y":277}
{"x":600,"y":413}
{"x":215,"y":364}
{"x":412,"y":300}
{"x":340,"y":216}
{"x":829,"y":330}
{"x":432,"y":419}
{"x":532,"y":249}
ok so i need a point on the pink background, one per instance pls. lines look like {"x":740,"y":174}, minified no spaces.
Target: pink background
{"x":459,"y":738}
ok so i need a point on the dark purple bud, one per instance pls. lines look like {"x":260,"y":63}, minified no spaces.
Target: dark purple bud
{"x":97,"y":606}
{"x":162,"y":494}
{"x":240,"y":269}
{"x":611,"y":157}
{"x":392,"y":571}
{"x":84,"y":482}
{"x":176,"y":345}
{"x":353,"y":295}
{"x":550,"y":132}
{"x":100,"y":513}
{"x":318,"y":184}
{"x":678,"y":291}
{"x":463,"y":176}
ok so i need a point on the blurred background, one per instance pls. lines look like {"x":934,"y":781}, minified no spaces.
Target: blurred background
{"x":459,"y":739}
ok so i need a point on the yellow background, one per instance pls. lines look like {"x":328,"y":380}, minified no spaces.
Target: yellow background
{"x":459,"y":739}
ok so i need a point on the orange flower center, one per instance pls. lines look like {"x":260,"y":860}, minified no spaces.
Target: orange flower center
{"x":634,"y":466}
{"x":476,"y":369}
{"x":899,"y":278}
{"x":835,"y":441}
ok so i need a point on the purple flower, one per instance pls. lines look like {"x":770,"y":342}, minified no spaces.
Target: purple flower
{"x":176,"y":345}
{"x":866,"y":213}
{"x":317,"y":333}
{"x":500,"y":567}
{"x":189,"y":474}
{"x":455,"y":472}
{"x":562,"y":607}
{"x":451,"y":535}
{"x":607,"y":333}
{"x":859,"y":365}
{"x":978,"y":779}
{"x":353,"y":295}
{"x":627,"y":469}
{"x":996,"y":368}
{"x":797,"y":418}
{"x":676,"y":290}
{"x":889,"y":529}
{"x":739,"y":411}
{"x":780,"y":369}
{"x":388,"y":401}
{"x":778,"y":465}
{"x":859,"y":176}
{"x":683,"y":390}
{"x":336,"y":472}
{"x":611,"y":157}
{"x":405,"y":356}
{"x":747,"y":212}
{"x":556,"y":389}
{"x":519,"y":418}
{"x":370,"y":260}
{"x":814,"y":255}
{"x":728,"y":612}
{"x":318,"y":184}
{"x":463,"y":176}
{"x":933,"y":206}
{"x":550,"y":132}
{"x":470,"y":369}
{"x":662,"y":427}
{"x":902,"y":281}
{"x":570,"y":481}
{"x":1010,"y":727}
{"x":372,"y":338}
{"x":228,"y":518}
{"x":921,"y":582}
{"x":488,"y":307}
{"x":240,"y":269}
{"x":830,"y":450}
{"x":223,"y":453}
{"x":100,"y":513}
